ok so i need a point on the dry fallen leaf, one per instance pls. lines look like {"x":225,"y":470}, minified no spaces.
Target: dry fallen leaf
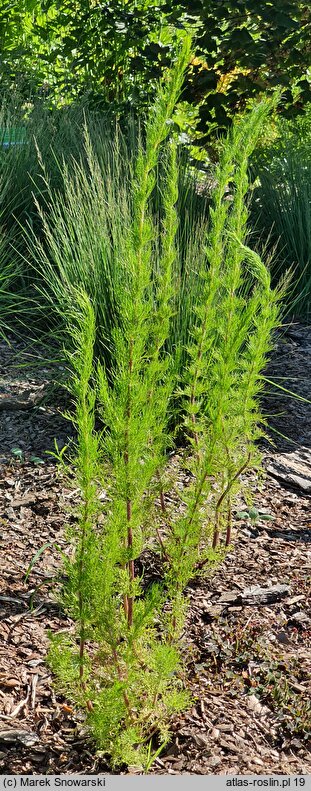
{"x":9,"y":682}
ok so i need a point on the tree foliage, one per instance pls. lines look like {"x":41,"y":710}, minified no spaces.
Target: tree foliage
{"x":114,"y":52}
{"x":246,"y":48}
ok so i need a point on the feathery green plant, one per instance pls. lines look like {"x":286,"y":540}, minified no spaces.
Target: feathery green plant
{"x":130,"y":680}
{"x":127,"y":669}
{"x":80,"y":572}
{"x":135,"y":408}
{"x":82,"y":327}
{"x":235,"y":316}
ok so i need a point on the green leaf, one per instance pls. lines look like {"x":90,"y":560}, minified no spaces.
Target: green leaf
{"x":285,"y":21}
{"x":241,"y":38}
{"x":253,"y":513}
{"x":18,"y":453}
{"x":36,"y":557}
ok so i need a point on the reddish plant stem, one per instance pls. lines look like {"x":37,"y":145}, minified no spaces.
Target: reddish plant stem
{"x":216,"y":530}
{"x":125,"y":597}
{"x":222,"y":497}
{"x":131,"y":568}
{"x":195,"y":433}
{"x":171,"y":638}
{"x":164,"y":552}
{"x":229,"y":525}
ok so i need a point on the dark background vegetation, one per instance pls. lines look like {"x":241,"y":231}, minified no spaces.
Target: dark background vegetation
{"x":114,"y":52}
{"x":64,"y":65}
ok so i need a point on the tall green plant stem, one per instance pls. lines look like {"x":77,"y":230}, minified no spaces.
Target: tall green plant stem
{"x":131,"y":676}
{"x":120,"y":676}
{"x":82,"y":323}
{"x":131,"y":672}
{"x":221,"y":499}
{"x":206,"y":310}
{"x":140,"y":254}
{"x":233,"y":274}
{"x":230,"y":320}
{"x":87,"y":486}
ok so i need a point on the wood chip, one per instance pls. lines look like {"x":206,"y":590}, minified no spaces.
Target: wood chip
{"x":14,"y":735}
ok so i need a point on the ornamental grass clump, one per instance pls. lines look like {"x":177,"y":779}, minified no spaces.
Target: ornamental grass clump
{"x":70,"y":180}
{"x":281,"y":207}
{"x":12,"y":302}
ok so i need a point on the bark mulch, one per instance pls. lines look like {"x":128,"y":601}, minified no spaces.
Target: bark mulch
{"x":249,"y":657}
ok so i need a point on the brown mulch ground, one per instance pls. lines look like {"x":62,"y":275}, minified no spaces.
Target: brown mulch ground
{"x":249,"y":670}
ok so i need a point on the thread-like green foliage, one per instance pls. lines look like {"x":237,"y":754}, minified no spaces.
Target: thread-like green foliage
{"x":135,"y":407}
{"x":126,"y":669}
{"x":127,"y":678}
{"x":130,"y":684}
{"x":235,"y":316}
{"x":78,"y":593}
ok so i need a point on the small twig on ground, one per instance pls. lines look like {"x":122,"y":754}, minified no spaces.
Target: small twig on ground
{"x":21,"y":705}
{"x":34,"y":689}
